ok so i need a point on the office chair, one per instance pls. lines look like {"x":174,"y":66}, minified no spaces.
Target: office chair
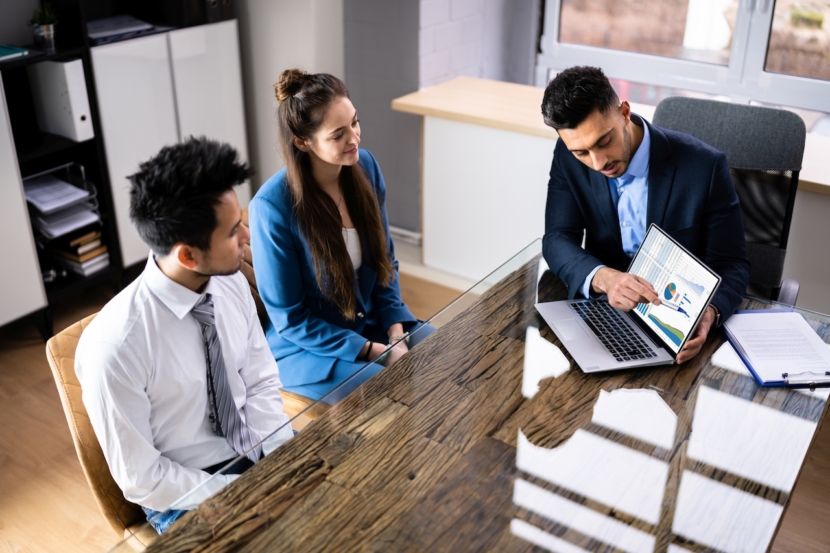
{"x":126,"y":518}
{"x":764,"y":148}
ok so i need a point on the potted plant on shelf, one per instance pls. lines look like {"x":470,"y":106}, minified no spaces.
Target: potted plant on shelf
{"x":43,"y":26}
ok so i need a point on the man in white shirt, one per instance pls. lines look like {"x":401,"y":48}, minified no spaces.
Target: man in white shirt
{"x":174,"y":393}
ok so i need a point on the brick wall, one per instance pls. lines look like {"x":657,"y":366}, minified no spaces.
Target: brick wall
{"x":451,"y":40}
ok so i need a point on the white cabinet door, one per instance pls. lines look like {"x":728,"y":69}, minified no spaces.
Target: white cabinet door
{"x":208,"y":82}
{"x":21,"y":285}
{"x":138,"y":118}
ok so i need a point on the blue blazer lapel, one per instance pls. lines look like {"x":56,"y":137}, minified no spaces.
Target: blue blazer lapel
{"x":660,"y":177}
{"x":605,"y":204}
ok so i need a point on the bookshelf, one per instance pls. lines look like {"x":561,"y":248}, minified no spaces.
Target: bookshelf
{"x":26,"y":150}
{"x":36,"y":151}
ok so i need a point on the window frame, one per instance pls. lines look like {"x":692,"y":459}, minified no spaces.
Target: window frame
{"x":742,"y":80}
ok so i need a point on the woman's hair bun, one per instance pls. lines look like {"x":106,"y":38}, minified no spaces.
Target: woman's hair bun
{"x":290,"y":83}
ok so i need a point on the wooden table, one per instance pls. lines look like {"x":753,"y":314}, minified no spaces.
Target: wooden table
{"x":424,"y":456}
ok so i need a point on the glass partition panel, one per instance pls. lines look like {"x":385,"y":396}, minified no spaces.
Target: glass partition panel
{"x":487,"y":436}
{"x":142,"y":534}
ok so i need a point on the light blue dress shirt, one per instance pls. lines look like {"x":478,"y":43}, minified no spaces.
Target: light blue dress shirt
{"x":630,"y":194}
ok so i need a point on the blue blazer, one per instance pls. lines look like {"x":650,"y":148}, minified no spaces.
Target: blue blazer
{"x":306,"y":333}
{"x":690,"y":195}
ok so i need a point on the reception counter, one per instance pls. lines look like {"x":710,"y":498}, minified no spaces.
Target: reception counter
{"x":486,"y":156}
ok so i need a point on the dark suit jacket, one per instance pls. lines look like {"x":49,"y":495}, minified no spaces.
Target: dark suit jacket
{"x":690,"y":196}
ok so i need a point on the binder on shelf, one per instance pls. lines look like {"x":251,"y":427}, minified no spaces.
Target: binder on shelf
{"x":60,"y":98}
{"x":11,"y":52}
{"x":779,"y":348}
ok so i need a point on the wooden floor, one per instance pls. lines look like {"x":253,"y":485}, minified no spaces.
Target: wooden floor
{"x":46,"y":506}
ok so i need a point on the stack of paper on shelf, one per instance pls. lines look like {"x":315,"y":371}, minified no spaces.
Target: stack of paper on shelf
{"x":82,"y":252}
{"x":119,"y":27}
{"x":58,"y":208}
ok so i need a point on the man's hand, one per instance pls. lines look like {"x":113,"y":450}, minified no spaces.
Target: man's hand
{"x":693,"y":346}
{"x":624,"y":290}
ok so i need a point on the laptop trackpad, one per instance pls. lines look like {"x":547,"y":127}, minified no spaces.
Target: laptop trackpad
{"x":570,"y":329}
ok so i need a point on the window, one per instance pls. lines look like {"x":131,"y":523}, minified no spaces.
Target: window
{"x":799,"y":43}
{"x":685,"y":29}
{"x":767,"y":51}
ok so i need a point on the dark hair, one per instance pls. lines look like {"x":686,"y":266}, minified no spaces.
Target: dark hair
{"x":174,"y":194}
{"x":303,"y":100}
{"x":576,"y":93}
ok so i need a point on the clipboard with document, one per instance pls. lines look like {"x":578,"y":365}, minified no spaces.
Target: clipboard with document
{"x":779,"y":348}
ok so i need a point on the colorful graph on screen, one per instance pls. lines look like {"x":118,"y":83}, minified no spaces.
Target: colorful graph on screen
{"x":683,"y":286}
{"x":672,"y":333}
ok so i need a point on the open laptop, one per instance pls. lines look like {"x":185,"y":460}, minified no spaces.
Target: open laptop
{"x":602,"y":338}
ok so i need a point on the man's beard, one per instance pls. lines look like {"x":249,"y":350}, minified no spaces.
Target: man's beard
{"x":225,"y":272}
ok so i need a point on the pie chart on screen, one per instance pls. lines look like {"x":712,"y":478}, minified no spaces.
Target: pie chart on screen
{"x":670,"y":291}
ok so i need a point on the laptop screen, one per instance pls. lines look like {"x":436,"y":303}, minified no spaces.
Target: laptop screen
{"x":683,"y":284}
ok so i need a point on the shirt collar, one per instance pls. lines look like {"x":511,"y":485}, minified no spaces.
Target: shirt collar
{"x":179,"y":299}
{"x":638,"y":167}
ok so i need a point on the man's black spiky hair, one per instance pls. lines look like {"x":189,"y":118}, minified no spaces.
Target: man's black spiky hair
{"x":174,"y":194}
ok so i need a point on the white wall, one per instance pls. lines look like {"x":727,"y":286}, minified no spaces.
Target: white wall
{"x":491,"y":39}
{"x":276,"y":35}
{"x":14,"y":14}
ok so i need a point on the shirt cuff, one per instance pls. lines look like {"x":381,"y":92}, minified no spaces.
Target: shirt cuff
{"x":586,"y":286}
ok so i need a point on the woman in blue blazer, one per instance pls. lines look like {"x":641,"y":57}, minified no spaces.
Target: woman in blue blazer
{"x":324,"y":261}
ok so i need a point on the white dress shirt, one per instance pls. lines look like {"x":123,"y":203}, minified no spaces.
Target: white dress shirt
{"x":141,"y":365}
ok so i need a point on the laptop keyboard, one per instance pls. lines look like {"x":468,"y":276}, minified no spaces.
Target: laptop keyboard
{"x":614,"y":333}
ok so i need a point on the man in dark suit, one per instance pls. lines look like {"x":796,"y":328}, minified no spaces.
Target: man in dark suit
{"x":613,"y":174}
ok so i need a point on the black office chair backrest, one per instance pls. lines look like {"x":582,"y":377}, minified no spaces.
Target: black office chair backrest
{"x":764,"y":148}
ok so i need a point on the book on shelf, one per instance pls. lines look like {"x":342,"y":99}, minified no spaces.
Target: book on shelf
{"x":82,"y":257}
{"x":88,"y":267}
{"x":79,"y":241}
{"x":83,"y":237}
{"x":84,"y":248}
{"x":11,"y":52}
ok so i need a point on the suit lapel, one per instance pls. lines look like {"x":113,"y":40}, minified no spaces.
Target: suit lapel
{"x":605,"y":204}
{"x":660,"y":177}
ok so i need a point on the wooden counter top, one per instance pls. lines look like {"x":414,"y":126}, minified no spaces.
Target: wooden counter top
{"x":508,"y":106}
{"x":517,"y":108}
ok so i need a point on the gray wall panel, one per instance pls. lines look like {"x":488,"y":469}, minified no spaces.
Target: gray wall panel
{"x":381,"y":44}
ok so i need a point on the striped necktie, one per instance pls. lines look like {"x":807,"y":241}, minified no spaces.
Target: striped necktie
{"x":225,"y":416}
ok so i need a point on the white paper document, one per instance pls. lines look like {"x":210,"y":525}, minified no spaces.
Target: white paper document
{"x":779,"y":346}
{"x":49,"y":194}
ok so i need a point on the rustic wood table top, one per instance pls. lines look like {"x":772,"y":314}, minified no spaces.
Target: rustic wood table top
{"x":486,"y":437}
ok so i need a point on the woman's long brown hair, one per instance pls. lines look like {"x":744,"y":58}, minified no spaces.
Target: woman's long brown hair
{"x":303,"y":101}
